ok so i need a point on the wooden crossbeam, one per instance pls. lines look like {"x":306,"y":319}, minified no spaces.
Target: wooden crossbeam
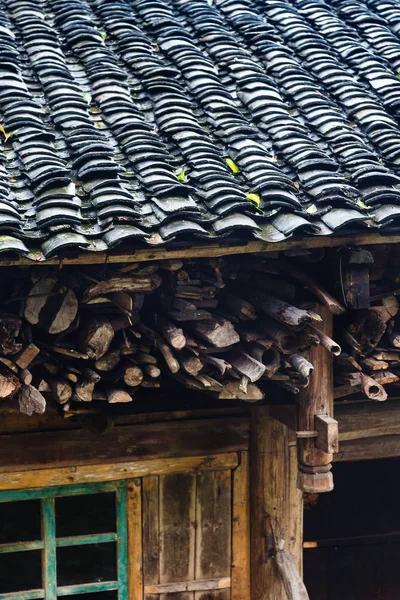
{"x":205,"y":250}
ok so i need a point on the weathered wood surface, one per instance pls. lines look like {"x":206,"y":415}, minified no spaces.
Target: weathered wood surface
{"x":276,"y":503}
{"x":195,"y":585}
{"x":208,"y":250}
{"x":79,"y":447}
{"x":384,"y":446}
{"x":317,"y":398}
{"x":151,"y":532}
{"x":177,"y":530}
{"x":103,"y":472}
{"x":214,"y":530}
{"x":134,"y":531}
{"x":241,"y":530}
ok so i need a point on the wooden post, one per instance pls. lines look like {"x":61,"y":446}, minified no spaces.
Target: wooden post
{"x":317,"y":399}
{"x":276,"y":503}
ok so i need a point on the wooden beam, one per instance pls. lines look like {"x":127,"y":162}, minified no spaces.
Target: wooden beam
{"x":206,"y":250}
{"x":316,"y":399}
{"x":240,"y":586}
{"x":102,"y":472}
{"x":384,"y":446}
{"x":121,"y":444}
{"x":276,"y":503}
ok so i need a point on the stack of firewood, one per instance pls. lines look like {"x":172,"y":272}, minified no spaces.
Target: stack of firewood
{"x":370,"y":332}
{"x":226,"y":327}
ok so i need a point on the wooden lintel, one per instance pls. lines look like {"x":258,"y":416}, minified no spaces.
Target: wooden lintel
{"x":195,"y":585}
{"x":31,"y":451}
{"x":206,"y":250}
{"x":127,"y":470}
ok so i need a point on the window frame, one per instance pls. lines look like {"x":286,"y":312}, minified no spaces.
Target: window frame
{"x":49,"y":542}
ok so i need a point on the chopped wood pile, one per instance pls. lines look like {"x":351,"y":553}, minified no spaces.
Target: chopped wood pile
{"x":224,"y":327}
{"x":230,"y":327}
{"x":370,"y":331}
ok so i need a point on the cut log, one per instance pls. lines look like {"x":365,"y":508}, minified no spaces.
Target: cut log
{"x":31,"y":401}
{"x":242,"y":309}
{"x":162,"y":347}
{"x":347,"y":363}
{"x":152,"y":371}
{"x":10,"y":326}
{"x":172,"y":334}
{"x":272,"y":362}
{"x":285,"y":340}
{"x":219,"y":363}
{"x":9,"y":364}
{"x":219,"y":333}
{"x":246,"y":365}
{"x":354,"y":270}
{"x":37,"y":298}
{"x":84,"y":390}
{"x":65,"y":314}
{"x":135,"y":283}
{"x":61,"y":390}
{"x":279,"y":310}
{"x":372,"y":364}
{"x":394,"y":339}
{"x":190,"y":363}
{"x":196,"y":315}
{"x":232,"y":391}
{"x":131,"y":374}
{"x":96,"y":337}
{"x":115,"y":396}
{"x":25,"y":376}
{"x":385,"y":377}
{"x":9,"y":383}
{"x":26,"y":356}
{"x":108,"y":361}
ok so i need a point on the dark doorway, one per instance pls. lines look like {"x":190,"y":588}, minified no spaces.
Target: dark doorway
{"x":353,"y":534}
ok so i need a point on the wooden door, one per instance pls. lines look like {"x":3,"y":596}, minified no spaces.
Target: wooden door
{"x":195,"y":535}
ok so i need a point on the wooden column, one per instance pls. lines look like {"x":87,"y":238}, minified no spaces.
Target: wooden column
{"x":314,"y":414}
{"x":276,"y":503}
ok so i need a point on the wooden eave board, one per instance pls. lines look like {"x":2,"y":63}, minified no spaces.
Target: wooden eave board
{"x":206,"y":250}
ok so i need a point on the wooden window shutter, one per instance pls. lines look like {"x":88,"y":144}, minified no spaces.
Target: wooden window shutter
{"x":195,"y":535}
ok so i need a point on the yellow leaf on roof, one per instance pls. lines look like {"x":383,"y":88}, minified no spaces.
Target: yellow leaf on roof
{"x":4,"y":132}
{"x":232,"y":165}
{"x":255,"y":198}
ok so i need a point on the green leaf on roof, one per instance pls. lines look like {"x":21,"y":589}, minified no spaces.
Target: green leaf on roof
{"x":181,"y":176}
{"x":87,"y":96}
{"x":103,"y":35}
{"x":232,"y":165}
{"x":255,"y":198}
{"x":311,"y":210}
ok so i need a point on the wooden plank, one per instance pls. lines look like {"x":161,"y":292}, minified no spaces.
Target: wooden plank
{"x":86,"y":588}
{"x":276,"y":503}
{"x":214,"y":524}
{"x":122,"y":540}
{"x":206,"y":250}
{"x":20,"y":480}
{"x":83,"y":540}
{"x":20,"y":547}
{"x":122,"y":444}
{"x":385,"y":446}
{"x":194,"y":585}
{"x":30,"y":595}
{"x":356,"y":420}
{"x":177,"y":530}
{"x":151,"y":532}
{"x":49,"y":567}
{"x":241,"y":530}
{"x":135,"y":546}
{"x":365,"y":420}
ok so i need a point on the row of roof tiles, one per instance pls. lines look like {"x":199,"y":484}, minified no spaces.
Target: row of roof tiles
{"x":147,"y":121}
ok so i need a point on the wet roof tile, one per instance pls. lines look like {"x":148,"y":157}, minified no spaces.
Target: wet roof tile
{"x":144,"y":121}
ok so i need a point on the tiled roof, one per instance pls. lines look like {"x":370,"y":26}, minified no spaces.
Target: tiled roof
{"x":147,"y":121}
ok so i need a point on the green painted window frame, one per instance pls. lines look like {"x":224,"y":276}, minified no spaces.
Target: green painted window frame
{"x":49,"y":542}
